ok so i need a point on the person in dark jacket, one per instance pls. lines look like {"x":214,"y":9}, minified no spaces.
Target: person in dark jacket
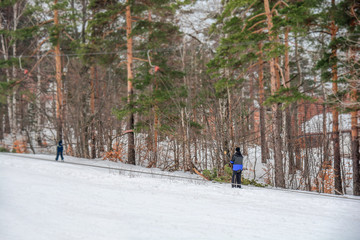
{"x":60,"y":149}
{"x":237,"y":162}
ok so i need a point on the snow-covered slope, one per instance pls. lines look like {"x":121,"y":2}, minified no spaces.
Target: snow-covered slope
{"x":52,"y":200}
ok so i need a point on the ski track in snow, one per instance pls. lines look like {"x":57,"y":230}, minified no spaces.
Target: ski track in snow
{"x":50,"y":200}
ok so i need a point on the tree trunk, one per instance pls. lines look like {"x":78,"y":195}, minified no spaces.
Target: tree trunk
{"x":289,"y":141}
{"x":176,"y":155}
{"x":288,"y":121}
{"x":307,"y":168}
{"x":1,"y":122}
{"x":264,"y":151}
{"x":130,"y":90}
{"x":38,"y":103}
{"x":229,"y":121}
{"x":14,"y":127}
{"x":184,"y":136}
{"x":355,"y":155}
{"x":156,"y":127}
{"x":295,"y":109}
{"x":355,"y":151}
{"x":154,"y":149}
{"x":92,"y":110}
{"x":279,"y":171}
{"x":9,"y":115}
{"x":73,"y":12}
{"x":84,"y":20}
{"x":335,"y":114}
{"x":58,"y":77}
{"x":7,"y":128}
{"x":326,"y":164}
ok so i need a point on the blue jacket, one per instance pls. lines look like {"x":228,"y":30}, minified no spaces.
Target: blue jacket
{"x":60,"y":147}
{"x":237,"y":161}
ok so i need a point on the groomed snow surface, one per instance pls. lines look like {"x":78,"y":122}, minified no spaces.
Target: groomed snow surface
{"x":52,"y":200}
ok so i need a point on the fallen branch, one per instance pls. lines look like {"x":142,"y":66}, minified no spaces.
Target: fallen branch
{"x":198,"y":173}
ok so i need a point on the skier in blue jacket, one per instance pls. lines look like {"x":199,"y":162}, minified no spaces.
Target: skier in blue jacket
{"x":237,"y":162}
{"x":60,"y":149}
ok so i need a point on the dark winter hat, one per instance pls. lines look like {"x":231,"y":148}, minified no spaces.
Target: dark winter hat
{"x":238,"y":149}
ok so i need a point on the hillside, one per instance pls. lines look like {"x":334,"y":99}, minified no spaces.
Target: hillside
{"x":55,"y":200}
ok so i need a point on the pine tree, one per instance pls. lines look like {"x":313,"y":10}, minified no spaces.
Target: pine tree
{"x":349,"y":20}
{"x":252,"y":40}
{"x":58,"y":34}
{"x":340,"y":21}
{"x":146,"y":28}
{"x":239,"y":55}
{"x":15,"y":33}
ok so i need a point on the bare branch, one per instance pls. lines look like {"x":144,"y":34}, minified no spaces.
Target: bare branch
{"x":111,"y":31}
{"x":38,"y":47}
{"x":260,"y":30}
{"x":121,"y":63}
{"x":140,"y":59}
{"x":248,"y":9}
{"x":257,"y":24}
{"x":192,"y":36}
{"x":257,"y":16}
{"x":46,"y":22}
{"x":278,"y":3}
{"x":68,"y":35}
{"x":281,"y":73}
{"x":28,"y":74}
{"x":353,"y":13}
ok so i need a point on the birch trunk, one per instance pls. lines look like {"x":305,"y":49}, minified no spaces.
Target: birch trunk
{"x":14,"y":73}
{"x":10,"y":114}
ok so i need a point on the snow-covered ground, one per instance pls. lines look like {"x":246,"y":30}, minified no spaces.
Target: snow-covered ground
{"x":54,"y":200}
{"x":315,"y":124}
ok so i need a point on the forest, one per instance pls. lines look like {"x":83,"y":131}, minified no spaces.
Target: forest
{"x":178,"y":85}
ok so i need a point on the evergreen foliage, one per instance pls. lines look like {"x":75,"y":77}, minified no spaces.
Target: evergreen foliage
{"x":203,"y":94}
{"x":213,"y":175}
{"x":2,"y":149}
{"x":158,"y":90}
